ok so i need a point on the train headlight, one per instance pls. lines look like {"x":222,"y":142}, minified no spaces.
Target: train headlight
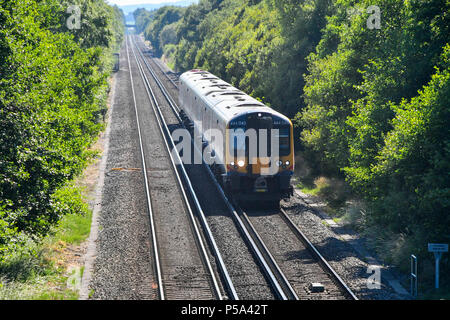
{"x":241,"y":163}
{"x":279,"y":163}
{"x":288,"y":162}
{"x":234,"y":165}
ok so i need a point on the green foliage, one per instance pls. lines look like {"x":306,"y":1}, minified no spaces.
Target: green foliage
{"x":258,"y":46}
{"x":377,"y":109}
{"x":244,"y":43}
{"x":300,"y":24}
{"x":52,"y":93}
{"x":75,"y":225}
{"x":371,"y":103}
{"x":36,"y":270}
{"x":236,"y":44}
{"x":142,"y":18}
{"x":161,"y":29}
{"x":414,"y":160}
{"x":101,"y":24}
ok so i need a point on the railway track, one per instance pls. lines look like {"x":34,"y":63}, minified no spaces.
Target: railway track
{"x":309,"y":273}
{"x":182,"y":267}
{"x":305,"y":276}
{"x":171,"y":76}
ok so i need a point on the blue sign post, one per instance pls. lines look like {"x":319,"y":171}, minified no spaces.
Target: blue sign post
{"x":437,"y":249}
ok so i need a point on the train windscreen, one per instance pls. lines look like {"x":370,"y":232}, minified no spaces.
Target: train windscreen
{"x":263,"y":124}
{"x":284,"y":140}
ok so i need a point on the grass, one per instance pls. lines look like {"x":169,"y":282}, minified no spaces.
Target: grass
{"x":333,"y":192}
{"x":50,"y":269}
{"x":392,"y":248}
{"x":308,"y":189}
{"x":40,"y":271}
{"x":337,"y":220}
{"x":171,"y":65}
{"x":75,"y":228}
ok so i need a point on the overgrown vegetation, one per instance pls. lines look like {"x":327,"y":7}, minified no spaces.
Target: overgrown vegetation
{"x":40,"y":271}
{"x":377,"y":112}
{"x":53,"y":89}
{"x":370,"y":102}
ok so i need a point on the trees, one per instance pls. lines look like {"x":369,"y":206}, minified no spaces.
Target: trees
{"x":163,"y":20}
{"x":142,"y":18}
{"x":189,"y":37}
{"x":168,"y":35}
{"x":369,"y":100}
{"x":300,"y":25}
{"x":259,"y":46}
{"x":100,"y":24}
{"x":52,"y":89}
{"x":408,"y":181}
{"x":363,"y":88}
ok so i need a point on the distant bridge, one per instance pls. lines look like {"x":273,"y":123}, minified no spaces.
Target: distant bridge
{"x":128,"y":25}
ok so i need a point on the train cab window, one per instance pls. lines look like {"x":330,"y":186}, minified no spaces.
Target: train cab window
{"x":237,"y":141}
{"x":284,"y":141}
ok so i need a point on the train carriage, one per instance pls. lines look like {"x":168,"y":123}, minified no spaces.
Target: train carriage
{"x":226,"y":118}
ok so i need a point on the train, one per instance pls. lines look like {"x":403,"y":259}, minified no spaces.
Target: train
{"x":241,"y":133}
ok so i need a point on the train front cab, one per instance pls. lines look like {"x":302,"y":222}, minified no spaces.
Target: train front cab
{"x":249,"y":182}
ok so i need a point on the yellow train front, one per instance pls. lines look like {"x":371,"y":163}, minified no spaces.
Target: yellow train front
{"x":255,"y":171}
{"x":250,"y":143}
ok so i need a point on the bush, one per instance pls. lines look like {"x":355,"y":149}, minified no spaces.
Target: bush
{"x":53,"y":92}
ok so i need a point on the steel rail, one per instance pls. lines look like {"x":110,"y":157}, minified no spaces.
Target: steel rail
{"x":147,"y":191}
{"x":300,"y":235}
{"x":324,"y":263}
{"x":176,"y":162}
{"x":270,"y":268}
{"x":282,"y":279}
{"x":165,"y":73}
{"x":172,"y":103}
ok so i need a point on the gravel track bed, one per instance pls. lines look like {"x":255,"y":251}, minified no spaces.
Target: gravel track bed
{"x":179,"y":253}
{"x":344,"y":259}
{"x":157,"y":65}
{"x":172,"y":124}
{"x":293,"y":258}
{"x":123,"y":268}
{"x":340,"y":254}
{"x":244,"y":271}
